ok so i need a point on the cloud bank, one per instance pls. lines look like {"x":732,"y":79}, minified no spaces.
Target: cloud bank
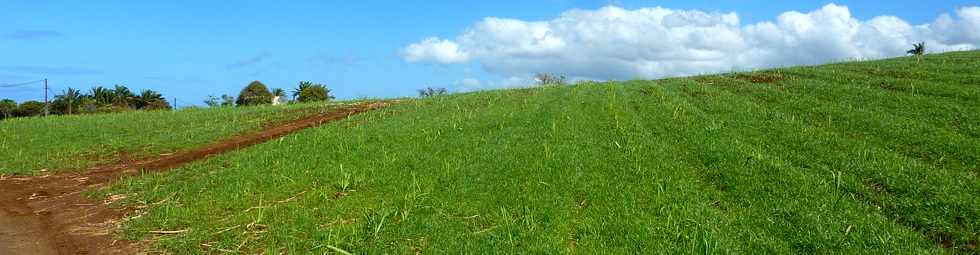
{"x":616,"y":43}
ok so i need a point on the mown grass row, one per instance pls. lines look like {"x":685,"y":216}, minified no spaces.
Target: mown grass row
{"x":32,"y":145}
{"x":804,"y":160}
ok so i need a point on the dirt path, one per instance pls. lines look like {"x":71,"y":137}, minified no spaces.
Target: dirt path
{"x":48,"y":215}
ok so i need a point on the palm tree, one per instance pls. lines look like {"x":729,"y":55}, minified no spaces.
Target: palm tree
{"x":102,"y":95}
{"x":279,"y":95}
{"x":70,"y":97}
{"x":123,"y":95}
{"x":918,"y":49}
{"x":302,"y":86}
{"x":150,"y":99}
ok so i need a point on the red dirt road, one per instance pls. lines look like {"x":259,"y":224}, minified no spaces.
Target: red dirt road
{"x":48,"y":215}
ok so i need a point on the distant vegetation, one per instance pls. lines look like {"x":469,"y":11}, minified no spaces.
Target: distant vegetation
{"x":918,"y":50}
{"x":311,"y":92}
{"x":255,"y":93}
{"x":98,"y":100}
{"x":546,"y":79}
{"x":120,"y":98}
{"x":431,"y":92}
{"x":7,"y":108}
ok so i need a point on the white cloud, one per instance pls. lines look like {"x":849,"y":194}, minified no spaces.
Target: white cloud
{"x":616,"y":43}
{"x":434,"y":50}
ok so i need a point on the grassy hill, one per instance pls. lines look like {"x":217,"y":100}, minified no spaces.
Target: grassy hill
{"x":30,"y":145}
{"x":860,"y":157}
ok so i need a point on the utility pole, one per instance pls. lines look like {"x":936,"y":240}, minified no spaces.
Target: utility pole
{"x":175,"y":103}
{"x":46,"y":109}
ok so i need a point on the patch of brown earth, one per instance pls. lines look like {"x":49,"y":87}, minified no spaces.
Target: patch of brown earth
{"x":48,"y":215}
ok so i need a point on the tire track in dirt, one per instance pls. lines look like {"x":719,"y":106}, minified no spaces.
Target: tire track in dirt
{"x":48,"y":215}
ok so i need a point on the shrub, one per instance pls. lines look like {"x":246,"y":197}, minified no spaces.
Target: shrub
{"x":545,"y":79}
{"x":7,"y":108}
{"x":431,"y":92}
{"x":918,"y":49}
{"x":212,"y":101}
{"x":227,"y":100}
{"x":151,"y":100}
{"x":29,"y":108}
{"x":312,"y":92}
{"x":255,"y":93}
{"x":224,"y":100}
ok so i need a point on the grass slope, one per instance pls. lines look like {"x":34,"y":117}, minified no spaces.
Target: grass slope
{"x":864,"y":157}
{"x":29,"y":145}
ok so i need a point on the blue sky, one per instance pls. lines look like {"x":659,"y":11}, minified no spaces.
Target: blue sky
{"x":192,"y":49}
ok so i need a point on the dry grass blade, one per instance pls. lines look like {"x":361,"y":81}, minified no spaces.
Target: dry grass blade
{"x":338,"y":250}
{"x":168,"y":232}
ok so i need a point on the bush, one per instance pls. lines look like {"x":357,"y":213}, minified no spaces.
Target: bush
{"x":431,"y":92}
{"x":545,"y":79}
{"x":255,"y":93}
{"x":7,"y":108}
{"x":310,"y":92}
{"x":29,"y":108}
{"x":227,"y":100}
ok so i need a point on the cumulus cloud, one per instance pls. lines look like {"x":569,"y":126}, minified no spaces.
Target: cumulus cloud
{"x":616,"y":43}
{"x":435,"y":50}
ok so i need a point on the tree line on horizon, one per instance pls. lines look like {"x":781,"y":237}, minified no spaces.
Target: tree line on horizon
{"x":98,"y":99}
{"x":120,"y":98}
{"x":257,"y":93}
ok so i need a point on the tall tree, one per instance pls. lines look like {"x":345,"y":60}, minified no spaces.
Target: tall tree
{"x":255,"y":93}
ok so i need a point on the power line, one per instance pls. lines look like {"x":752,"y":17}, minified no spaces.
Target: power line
{"x":10,"y":85}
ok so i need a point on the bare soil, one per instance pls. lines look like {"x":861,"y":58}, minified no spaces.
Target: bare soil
{"x":48,"y":215}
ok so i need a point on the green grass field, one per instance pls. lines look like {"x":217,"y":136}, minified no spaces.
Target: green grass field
{"x":873,"y":157}
{"x":30,"y":145}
